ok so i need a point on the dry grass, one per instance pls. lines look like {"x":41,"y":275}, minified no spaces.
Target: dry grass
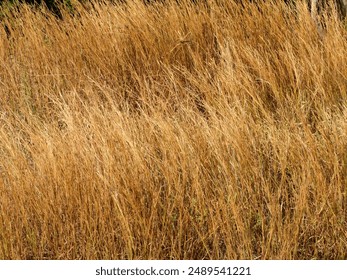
{"x":173,"y":132}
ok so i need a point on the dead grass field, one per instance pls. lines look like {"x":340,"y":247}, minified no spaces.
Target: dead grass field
{"x":173,"y":132}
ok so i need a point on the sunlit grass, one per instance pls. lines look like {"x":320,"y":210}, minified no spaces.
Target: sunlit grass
{"x":173,"y":132}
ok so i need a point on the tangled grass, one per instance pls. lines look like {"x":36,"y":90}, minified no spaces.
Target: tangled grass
{"x":173,"y":132}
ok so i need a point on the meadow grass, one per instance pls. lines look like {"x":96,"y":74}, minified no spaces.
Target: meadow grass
{"x":173,"y":132}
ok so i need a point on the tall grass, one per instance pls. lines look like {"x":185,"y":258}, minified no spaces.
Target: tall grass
{"x":172,"y":131}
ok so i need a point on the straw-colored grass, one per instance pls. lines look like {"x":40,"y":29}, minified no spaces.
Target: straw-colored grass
{"x":173,"y":132}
